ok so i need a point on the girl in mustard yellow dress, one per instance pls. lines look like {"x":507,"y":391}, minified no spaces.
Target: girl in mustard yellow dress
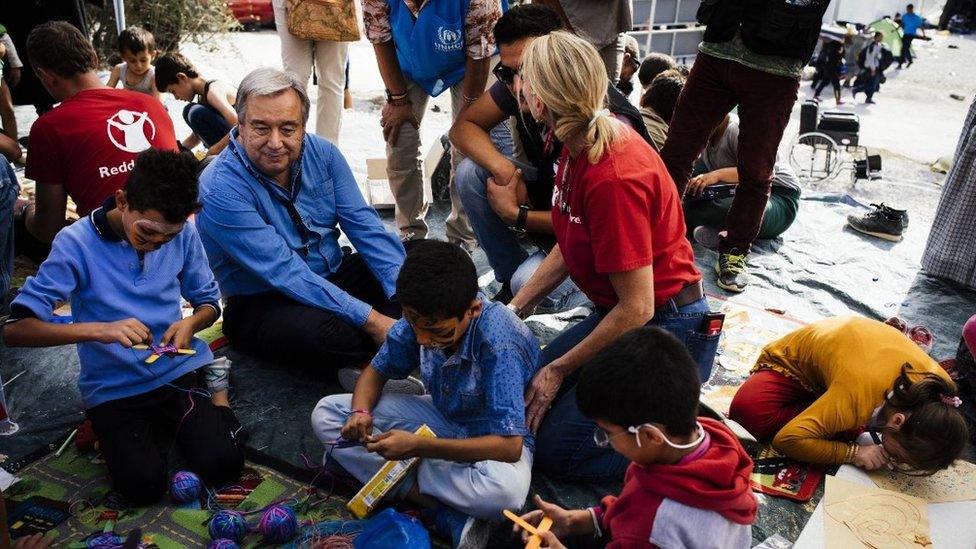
{"x":853,"y":390}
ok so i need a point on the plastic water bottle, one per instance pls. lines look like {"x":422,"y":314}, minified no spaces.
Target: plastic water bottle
{"x":7,"y":427}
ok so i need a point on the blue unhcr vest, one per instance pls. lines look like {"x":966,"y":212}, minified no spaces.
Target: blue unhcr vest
{"x":430,"y":48}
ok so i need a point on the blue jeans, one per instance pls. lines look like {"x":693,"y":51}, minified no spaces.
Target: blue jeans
{"x":209,"y":125}
{"x":9,"y":189}
{"x":564,"y":443}
{"x":482,"y":489}
{"x":565,"y":297}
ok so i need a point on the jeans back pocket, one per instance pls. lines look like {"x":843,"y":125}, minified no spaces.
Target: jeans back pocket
{"x":703,"y":349}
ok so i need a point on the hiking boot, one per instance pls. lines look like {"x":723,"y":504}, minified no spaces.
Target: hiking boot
{"x":884,"y":222}
{"x":731,"y":270}
{"x":407,"y":386}
{"x":465,"y":532}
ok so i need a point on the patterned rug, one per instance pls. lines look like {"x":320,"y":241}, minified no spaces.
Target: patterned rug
{"x":69,"y":497}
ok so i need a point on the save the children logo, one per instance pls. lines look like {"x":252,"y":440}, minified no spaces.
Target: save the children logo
{"x":448,"y":39}
{"x":131,"y":131}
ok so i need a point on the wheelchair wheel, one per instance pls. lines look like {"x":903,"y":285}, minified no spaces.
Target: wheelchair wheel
{"x":815,"y":157}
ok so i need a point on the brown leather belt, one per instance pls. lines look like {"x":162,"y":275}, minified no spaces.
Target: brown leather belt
{"x":689,"y":294}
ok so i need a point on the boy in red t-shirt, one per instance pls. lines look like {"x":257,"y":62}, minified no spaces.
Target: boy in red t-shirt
{"x":85,"y":147}
{"x":688,"y":481}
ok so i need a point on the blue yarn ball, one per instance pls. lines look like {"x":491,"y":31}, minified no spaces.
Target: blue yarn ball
{"x":278,"y":524}
{"x":228,"y":525}
{"x":103,"y":540}
{"x":185,"y":487}
{"x":222,"y":544}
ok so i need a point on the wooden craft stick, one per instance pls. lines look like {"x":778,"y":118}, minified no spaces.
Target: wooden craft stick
{"x":518,"y":520}
{"x":536,"y":540}
{"x":152,"y":358}
{"x":141,"y":347}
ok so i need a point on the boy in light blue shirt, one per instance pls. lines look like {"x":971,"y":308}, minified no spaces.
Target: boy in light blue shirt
{"x":476,"y":358}
{"x":124,"y":269}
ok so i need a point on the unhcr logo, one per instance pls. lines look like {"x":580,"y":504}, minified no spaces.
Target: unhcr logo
{"x":448,"y":40}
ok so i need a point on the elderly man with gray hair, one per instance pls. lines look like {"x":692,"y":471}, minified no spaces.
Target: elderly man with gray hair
{"x":274,"y":202}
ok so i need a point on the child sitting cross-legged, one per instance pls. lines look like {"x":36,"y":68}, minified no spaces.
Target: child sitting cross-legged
{"x":124,"y":269}
{"x":688,"y":481}
{"x":476,"y":358}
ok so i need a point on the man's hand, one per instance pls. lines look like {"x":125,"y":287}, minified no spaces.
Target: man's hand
{"x":126,"y":332}
{"x":19,"y":206}
{"x":504,"y":197}
{"x":394,"y":445}
{"x":179,"y":333}
{"x":564,"y":523}
{"x":628,"y":68}
{"x":392,"y":117}
{"x":871,"y":457}
{"x":540,"y":394}
{"x":358,"y":427}
{"x":696,"y":185}
{"x":377,"y":325}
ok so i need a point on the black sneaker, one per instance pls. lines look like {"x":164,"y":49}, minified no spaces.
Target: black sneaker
{"x":731,"y":270}
{"x":883,"y":222}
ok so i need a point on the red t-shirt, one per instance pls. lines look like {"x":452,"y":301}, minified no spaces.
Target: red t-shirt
{"x":89,"y":142}
{"x":620,"y":214}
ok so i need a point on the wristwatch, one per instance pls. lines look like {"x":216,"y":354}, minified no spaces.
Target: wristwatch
{"x":523,"y":214}
{"x":515,"y":309}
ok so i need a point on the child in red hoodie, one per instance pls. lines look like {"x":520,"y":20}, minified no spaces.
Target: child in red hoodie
{"x":688,"y":481}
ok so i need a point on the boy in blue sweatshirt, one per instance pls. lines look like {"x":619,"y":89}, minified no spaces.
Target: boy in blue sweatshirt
{"x":124,"y":269}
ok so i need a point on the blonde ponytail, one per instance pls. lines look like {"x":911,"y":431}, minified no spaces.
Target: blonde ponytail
{"x":567,"y":74}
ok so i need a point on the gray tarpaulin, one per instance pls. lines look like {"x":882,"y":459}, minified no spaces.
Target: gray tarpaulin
{"x":820,"y":268}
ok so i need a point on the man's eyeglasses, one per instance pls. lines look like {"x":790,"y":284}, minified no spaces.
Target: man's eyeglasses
{"x":505,"y":74}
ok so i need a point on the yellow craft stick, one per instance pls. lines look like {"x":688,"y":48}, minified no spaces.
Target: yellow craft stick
{"x":186,"y":351}
{"x":141,"y":347}
{"x":152,"y":358}
{"x":536,"y":540}
{"x":518,"y":520}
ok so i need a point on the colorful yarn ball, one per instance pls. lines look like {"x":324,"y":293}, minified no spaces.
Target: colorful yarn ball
{"x":228,"y":525}
{"x":103,"y":540}
{"x":278,"y":525}
{"x":185,"y":487}
{"x":223,"y":543}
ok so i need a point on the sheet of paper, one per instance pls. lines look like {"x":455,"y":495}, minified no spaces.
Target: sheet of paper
{"x":862,"y":516}
{"x":952,"y":525}
{"x":7,"y":480}
{"x":957,"y":483}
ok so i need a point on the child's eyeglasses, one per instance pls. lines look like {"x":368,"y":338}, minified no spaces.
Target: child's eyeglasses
{"x":505,"y":74}
{"x":602,"y":438}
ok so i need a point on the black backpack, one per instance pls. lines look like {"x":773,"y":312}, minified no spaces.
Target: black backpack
{"x":788,"y":28}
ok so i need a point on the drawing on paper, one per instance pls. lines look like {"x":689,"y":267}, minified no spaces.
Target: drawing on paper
{"x":864,"y":516}
{"x":957,"y":483}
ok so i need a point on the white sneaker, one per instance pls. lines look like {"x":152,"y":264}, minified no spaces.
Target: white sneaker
{"x":408,"y":386}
